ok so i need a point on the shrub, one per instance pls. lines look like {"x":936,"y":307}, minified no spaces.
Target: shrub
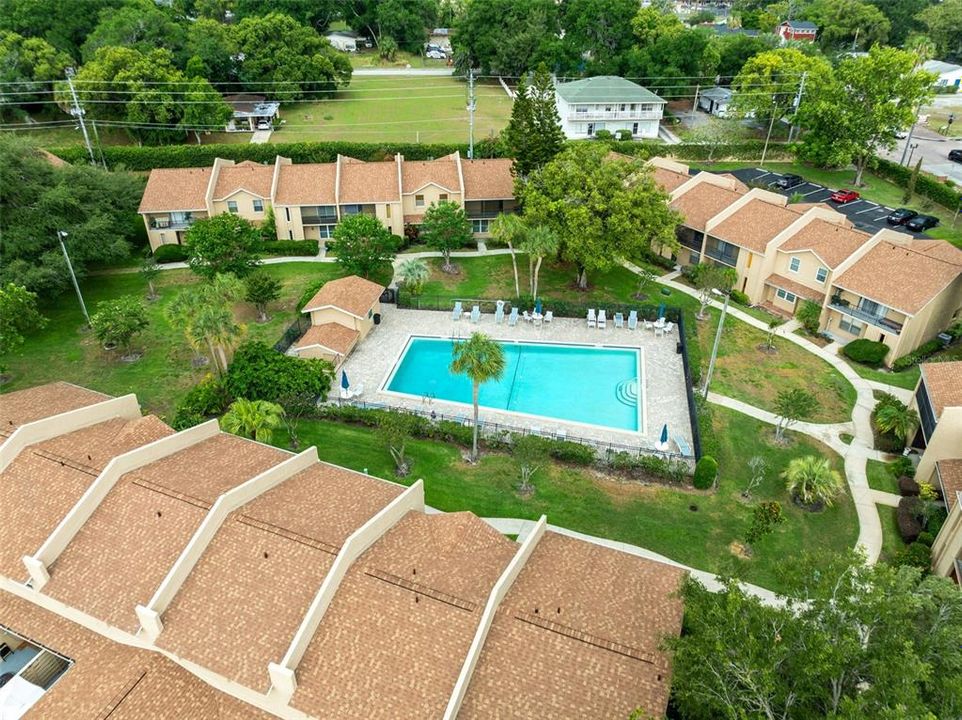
{"x":258,"y":372}
{"x":925,"y":538}
{"x":624,"y":134}
{"x":809,"y":314}
{"x":908,"y":487}
{"x":902,"y":466}
{"x":915,"y":555}
{"x":170,"y":253}
{"x":603,"y":135}
{"x":572,"y":452}
{"x":309,"y":292}
{"x":910,"y":526}
{"x":740,"y":298}
{"x":705,"y":472}
{"x":294,"y":248}
{"x":926,"y":184}
{"x":867,"y":352}
{"x":920,"y":353}
{"x":208,"y":398}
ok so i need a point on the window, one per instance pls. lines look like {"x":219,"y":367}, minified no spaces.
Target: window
{"x":480,"y":226}
{"x":419,"y":200}
{"x":287,"y":214}
{"x":785,"y":295}
{"x":794,"y":264}
{"x":821,"y":274}
{"x":442,"y":197}
{"x":871,"y":307}
{"x":607,"y":108}
{"x":634,"y":128}
{"x":852,"y":327}
{"x":290,"y":234}
{"x":387,"y":211}
{"x":622,"y":107}
{"x":325,"y":231}
{"x":258,"y":206}
{"x":232,"y":206}
{"x":591,"y":128}
{"x":632,"y":107}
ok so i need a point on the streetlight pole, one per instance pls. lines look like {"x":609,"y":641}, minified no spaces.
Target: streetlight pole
{"x":76,"y":286}
{"x":718,"y":334}
{"x":770,"y":126}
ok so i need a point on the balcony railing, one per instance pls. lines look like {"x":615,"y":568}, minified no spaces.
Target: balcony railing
{"x":721,"y":256}
{"x":615,"y":115}
{"x":843,"y":306}
{"x":171,"y":224}
{"x":319,"y":219}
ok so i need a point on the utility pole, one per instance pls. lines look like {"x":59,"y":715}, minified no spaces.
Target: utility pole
{"x":797,"y":104}
{"x":78,"y":112}
{"x":100,"y":148}
{"x":769,"y":135}
{"x":76,"y":286}
{"x":718,"y":334}
{"x":471,"y":105}
{"x":694,"y":105}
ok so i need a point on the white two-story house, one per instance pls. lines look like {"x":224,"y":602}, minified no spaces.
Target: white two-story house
{"x":608,"y":103}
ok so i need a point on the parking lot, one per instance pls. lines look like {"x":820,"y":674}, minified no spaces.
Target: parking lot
{"x":864,"y":214}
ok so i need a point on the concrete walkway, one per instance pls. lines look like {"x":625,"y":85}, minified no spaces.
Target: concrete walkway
{"x":855,"y":454}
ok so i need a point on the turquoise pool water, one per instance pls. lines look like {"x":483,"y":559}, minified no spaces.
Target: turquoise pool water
{"x":579,"y":383}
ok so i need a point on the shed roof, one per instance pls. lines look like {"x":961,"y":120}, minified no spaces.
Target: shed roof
{"x":352,"y":294}
{"x":330,"y":336}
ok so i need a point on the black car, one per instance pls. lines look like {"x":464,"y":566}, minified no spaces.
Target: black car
{"x":787,"y":182}
{"x":955,"y":156}
{"x":922,"y":222}
{"x":901,"y":216}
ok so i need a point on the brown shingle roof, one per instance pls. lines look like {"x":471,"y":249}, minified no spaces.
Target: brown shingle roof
{"x":170,"y":189}
{"x":332,"y":336}
{"x":415,"y":174}
{"x":122,"y":553}
{"x":311,"y":184}
{"x":780,"y":281}
{"x":754,"y":224}
{"x":943,"y":383}
{"x":395,"y":636}
{"x":901,"y":276}
{"x":368,"y":182}
{"x":832,"y":243}
{"x":352,"y":294}
{"x":45,"y":481}
{"x":487,"y":179}
{"x":950,"y":475}
{"x":247,"y":176}
{"x":669,"y":179}
{"x":587,"y":623}
{"x":24,"y":406}
{"x":280,"y":545}
{"x":110,"y":678}
{"x":703,"y":202}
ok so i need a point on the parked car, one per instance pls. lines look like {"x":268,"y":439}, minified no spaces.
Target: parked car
{"x":955,"y":156}
{"x":844,"y":196}
{"x":263,"y":125}
{"x":901,"y":134}
{"x":900,"y":216}
{"x":787,"y":182}
{"x":435,"y":54}
{"x":922,"y":222}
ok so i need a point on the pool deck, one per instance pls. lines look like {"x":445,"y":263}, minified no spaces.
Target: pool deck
{"x":663,"y":373}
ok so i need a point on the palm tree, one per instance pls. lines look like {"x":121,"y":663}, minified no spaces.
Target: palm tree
{"x":204,"y":314}
{"x":538,"y":243}
{"x":811,"y":480}
{"x":413,"y":274}
{"x":896,"y":418}
{"x":481,"y":359}
{"x":254,"y":419}
{"x":510,"y":229}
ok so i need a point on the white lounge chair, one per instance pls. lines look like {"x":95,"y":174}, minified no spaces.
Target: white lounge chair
{"x":602,"y":320}
{"x":525,"y":316}
{"x":456,"y":313}
{"x":649,"y":325}
{"x":633,"y":320}
{"x":548,"y":316}
{"x":619,"y":320}
{"x":499,"y":312}
{"x":669,"y":326}
{"x":592,"y":321}
{"x":476,"y":314}
{"x":513,"y":317}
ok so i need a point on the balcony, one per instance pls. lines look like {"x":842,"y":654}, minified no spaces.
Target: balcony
{"x":722,"y":252}
{"x":877,"y":319}
{"x":631,"y":115}
{"x":319,"y":219}
{"x":171,"y":223}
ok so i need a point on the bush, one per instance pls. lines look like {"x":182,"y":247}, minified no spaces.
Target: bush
{"x":867,"y":352}
{"x":623,"y":135}
{"x":258,"y":372}
{"x":572,"y":452}
{"x":916,"y":555}
{"x":170,"y":253}
{"x":740,"y":298}
{"x":908,"y":487}
{"x":926,"y":184}
{"x":902,"y":466}
{"x":705,"y":473}
{"x":299,"y":248}
{"x":907,"y":516}
{"x":918,"y":355}
{"x":208,"y":398}
{"x":603,"y":135}
{"x":925,"y":538}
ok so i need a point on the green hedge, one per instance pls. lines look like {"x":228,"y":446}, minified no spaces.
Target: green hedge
{"x":705,"y":473}
{"x":301,"y":248}
{"x":170,"y":253}
{"x":132,"y":157}
{"x":943,"y":193}
{"x":867,"y":352}
{"x":920,"y":353}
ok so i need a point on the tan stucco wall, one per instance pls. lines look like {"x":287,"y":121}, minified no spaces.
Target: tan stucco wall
{"x":284,"y":225}
{"x":317,"y":353}
{"x":809,"y":265}
{"x":948,"y":545}
{"x":245,"y":206}
{"x":327,"y":315}
{"x":394,"y":223}
{"x":432,"y":194}
{"x":945,"y":443}
{"x":939,"y":314}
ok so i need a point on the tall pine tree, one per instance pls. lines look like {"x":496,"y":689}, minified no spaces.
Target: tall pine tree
{"x":534,"y":132}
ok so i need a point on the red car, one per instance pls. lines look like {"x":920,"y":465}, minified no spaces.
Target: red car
{"x":844,"y":196}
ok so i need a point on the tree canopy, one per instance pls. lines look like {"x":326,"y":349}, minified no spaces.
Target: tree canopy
{"x":446,"y":228}
{"x":943,"y":24}
{"x":142,"y":25}
{"x":601,"y":207}
{"x":259,"y":372}
{"x":362,"y":244}
{"x":25,"y":62}
{"x":768,"y":83}
{"x":222,"y":244}
{"x":534,"y":132}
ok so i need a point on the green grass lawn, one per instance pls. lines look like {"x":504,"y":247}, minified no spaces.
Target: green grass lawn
{"x":880,"y":477}
{"x":906,"y":379}
{"x":892,"y":542}
{"x":876,"y":189}
{"x":368,"y":58}
{"x":655,"y":517}
{"x":397,"y":109}
{"x":64,"y":351}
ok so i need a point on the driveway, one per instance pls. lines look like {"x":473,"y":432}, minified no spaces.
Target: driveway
{"x":259,"y":137}
{"x":864,"y":214}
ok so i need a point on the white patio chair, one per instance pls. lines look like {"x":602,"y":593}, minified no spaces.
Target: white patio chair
{"x":669,"y":326}
{"x":525,"y":316}
{"x":456,"y":313}
{"x":619,"y":320}
{"x":633,"y":320}
{"x":499,"y":312}
{"x":476,"y":314}
{"x":592,"y":321}
{"x":602,"y":320}
{"x":548,"y":316}
{"x":513,"y":317}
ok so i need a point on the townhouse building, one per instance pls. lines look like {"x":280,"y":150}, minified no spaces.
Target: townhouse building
{"x":607,"y":102}
{"x":938,"y":401}
{"x":888,"y":286}
{"x":309,"y":199}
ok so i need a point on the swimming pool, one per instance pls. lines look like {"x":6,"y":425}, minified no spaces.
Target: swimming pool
{"x":578,"y":383}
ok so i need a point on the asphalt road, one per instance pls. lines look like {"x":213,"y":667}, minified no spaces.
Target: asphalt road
{"x":864,"y":214}
{"x":933,"y":149}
